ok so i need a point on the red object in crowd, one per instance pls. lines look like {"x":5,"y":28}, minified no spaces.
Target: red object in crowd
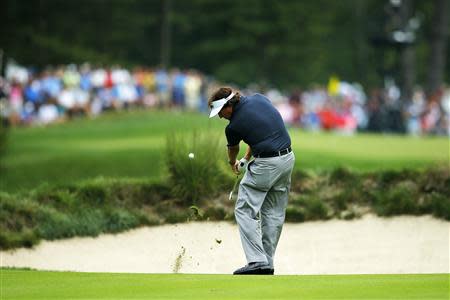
{"x":330,"y":119}
{"x":108,"y":81}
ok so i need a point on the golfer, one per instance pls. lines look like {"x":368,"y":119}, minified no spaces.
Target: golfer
{"x":263,"y":192}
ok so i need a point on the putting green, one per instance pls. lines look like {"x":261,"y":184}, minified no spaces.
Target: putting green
{"x":22,"y":284}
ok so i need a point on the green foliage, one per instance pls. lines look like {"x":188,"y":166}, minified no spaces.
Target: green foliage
{"x":440,"y":206}
{"x":86,"y":209}
{"x":192,"y":179}
{"x":294,"y":214}
{"x":399,"y":199}
{"x":281,"y":43}
{"x":342,"y":175}
{"x":347,"y":194}
{"x":110,"y":205}
{"x":307,"y":208}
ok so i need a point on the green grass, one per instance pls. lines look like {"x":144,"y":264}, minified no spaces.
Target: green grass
{"x":132,"y":145}
{"x":22,"y":284}
{"x":103,"y":205}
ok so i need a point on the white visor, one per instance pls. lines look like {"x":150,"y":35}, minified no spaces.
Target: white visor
{"x":217,"y":105}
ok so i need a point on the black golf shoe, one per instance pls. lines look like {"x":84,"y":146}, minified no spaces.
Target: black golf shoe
{"x":255,"y":268}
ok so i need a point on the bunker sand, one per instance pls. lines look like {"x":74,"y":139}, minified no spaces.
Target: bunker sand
{"x":370,"y":245}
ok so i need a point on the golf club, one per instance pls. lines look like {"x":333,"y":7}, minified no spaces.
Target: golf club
{"x":234,"y":187}
{"x":242,"y":164}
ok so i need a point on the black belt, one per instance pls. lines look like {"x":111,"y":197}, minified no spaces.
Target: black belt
{"x":273,"y":154}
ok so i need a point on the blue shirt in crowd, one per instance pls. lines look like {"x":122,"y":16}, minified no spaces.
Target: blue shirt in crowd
{"x":259,"y":124}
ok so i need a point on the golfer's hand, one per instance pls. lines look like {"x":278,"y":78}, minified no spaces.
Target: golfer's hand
{"x":235,"y":167}
{"x":243,"y":162}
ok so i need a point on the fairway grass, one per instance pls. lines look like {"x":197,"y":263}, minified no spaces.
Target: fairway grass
{"x":132,"y":145}
{"x":23,"y":284}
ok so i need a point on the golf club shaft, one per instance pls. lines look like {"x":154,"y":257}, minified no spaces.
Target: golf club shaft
{"x":234,"y":187}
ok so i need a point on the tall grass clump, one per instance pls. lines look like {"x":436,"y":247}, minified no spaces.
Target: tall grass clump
{"x":192,"y":179}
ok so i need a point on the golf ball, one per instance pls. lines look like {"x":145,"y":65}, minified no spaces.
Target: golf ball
{"x":191,"y":155}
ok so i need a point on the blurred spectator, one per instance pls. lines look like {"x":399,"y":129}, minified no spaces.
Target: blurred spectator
{"x":65,"y":92}
{"x":178,"y":89}
{"x":192,"y":87}
{"x":414,"y":111}
{"x":15,"y":102}
{"x":162,"y":88}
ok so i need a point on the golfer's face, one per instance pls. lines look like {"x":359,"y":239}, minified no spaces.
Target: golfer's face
{"x":225,"y":113}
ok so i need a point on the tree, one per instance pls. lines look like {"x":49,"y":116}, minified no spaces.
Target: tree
{"x":438,"y":44}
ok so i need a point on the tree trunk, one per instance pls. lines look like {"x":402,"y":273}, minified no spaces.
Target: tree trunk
{"x":407,"y":55}
{"x":165,"y":34}
{"x":439,"y":38}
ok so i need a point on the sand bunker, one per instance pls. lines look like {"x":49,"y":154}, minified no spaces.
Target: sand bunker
{"x":369,"y":245}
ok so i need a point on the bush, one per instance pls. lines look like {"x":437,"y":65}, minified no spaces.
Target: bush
{"x":92,"y":194}
{"x":398,"y":200}
{"x":117,"y":220}
{"x":440,"y":206}
{"x":295,"y":214}
{"x":193,"y":179}
{"x":62,"y":212}
{"x":390,"y":177}
{"x":102,"y":205}
{"x":343,"y":175}
{"x":309,"y":208}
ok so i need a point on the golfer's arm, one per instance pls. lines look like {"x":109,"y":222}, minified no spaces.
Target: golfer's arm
{"x":248,"y":153}
{"x":233,"y":151}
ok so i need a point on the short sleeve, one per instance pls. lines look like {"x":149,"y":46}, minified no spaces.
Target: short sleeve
{"x":233,"y":138}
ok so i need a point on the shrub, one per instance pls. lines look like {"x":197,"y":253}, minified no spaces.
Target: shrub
{"x":26,"y":238}
{"x":295,"y":214}
{"x":117,"y":220}
{"x":311,"y":207}
{"x":398,"y":200}
{"x":300,"y":180}
{"x":435,"y":180}
{"x":215,"y":213}
{"x":342,"y":175}
{"x":93,"y":194}
{"x":53,"y":224}
{"x":103,"y":205}
{"x":391,"y":177}
{"x":440,"y":206}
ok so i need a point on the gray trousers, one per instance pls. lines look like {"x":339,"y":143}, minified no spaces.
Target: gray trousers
{"x":261,"y":205}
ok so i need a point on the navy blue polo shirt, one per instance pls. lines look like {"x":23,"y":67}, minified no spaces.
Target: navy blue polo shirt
{"x":259,"y":124}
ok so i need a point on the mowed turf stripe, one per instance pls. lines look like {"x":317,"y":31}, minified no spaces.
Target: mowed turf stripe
{"x":18,"y":284}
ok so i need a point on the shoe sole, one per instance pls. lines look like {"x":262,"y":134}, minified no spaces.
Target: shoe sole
{"x":256,"y":272}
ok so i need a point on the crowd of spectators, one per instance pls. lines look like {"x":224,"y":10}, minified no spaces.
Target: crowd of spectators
{"x":345,"y":108}
{"x":66,"y":92}
{"x":58,"y":94}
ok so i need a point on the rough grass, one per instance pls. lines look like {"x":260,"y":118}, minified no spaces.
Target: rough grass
{"x":21,"y":284}
{"x":203,"y":175}
{"x":344,"y":194}
{"x":113,"y":205}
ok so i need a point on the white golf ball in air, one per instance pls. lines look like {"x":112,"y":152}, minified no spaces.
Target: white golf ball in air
{"x":191,"y":155}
